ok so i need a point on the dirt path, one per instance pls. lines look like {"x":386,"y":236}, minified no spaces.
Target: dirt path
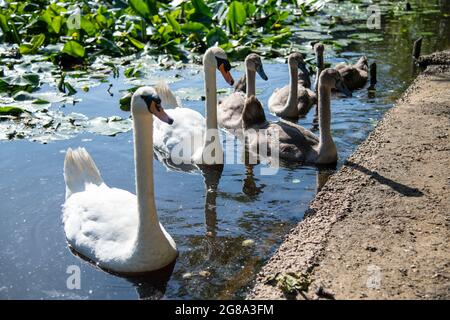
{"x":380,"y":226}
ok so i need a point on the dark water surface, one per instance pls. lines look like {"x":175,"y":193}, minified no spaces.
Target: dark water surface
{"x":209,"y":228}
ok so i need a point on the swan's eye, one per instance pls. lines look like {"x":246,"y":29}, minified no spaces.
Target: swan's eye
{"x":158,"y":103}
{"x":148,"y":101}
{"x":226,"y":64}
{"x":147,"y":98}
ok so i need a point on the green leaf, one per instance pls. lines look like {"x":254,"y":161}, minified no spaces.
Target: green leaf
{"x":236,"y":16}
{"x":40,"y":101}
{"x":216,"y":35}
{"x":109,"y":46}
{"x":61,"y":83}
{"x":9,"y":29}
{"x":22,"y":96}
{"x":88,"y":26}
{"x":131,"y":72}
{"x":4,"y":24}
{"x":32,"y":79}
{"x":125,"y":102}
{"x":136,"y":43}
{"x":47,"y":17}
{"x":201,"y":9}
{"x":25,"y":82}
{"x":71,"y":90}
{"x":101,"y":20}
{"x":11,"y":111}
{"x":74,"y":49}
{"x":56,"y":24}
{"x":33,"y":46}
{"x":197,"y":27}
{"x":283,"y":16}
{"x":144,"y":8}
{"x":171,"y":20}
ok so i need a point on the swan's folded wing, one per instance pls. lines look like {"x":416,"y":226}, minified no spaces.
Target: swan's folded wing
{"x":278,"y":99}
{"x":100,"y":222}
{"x":187,"y":129}
{"x":230,"y":111}
{"x":307,"y":137}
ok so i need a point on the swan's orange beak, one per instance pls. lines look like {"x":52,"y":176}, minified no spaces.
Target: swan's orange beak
{"x":226,"y":75}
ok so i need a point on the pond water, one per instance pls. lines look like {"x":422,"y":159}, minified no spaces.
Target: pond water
{"x":208,"y":227}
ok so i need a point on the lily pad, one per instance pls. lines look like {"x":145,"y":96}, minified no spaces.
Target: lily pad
{"x":109,"y":126}
{"x":11,"y":111}
{"x":19,"y":82}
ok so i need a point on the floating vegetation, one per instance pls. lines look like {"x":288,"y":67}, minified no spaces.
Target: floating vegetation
{"x":53,"y":51}
{"x":11,"y":111}
{"x":86,"y":29}
{"x":45,"y":126}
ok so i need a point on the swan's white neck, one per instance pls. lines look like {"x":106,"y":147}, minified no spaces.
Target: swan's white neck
{"x":292,"y":101}
{"x":143,"y":155}
{"x":212,"y":148}
{"x":251,"y":82}
{"x":325,"y":140}
{"x":211,"y":98}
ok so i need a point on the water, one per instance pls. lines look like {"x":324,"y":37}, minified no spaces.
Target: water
{"x":209,"y":228}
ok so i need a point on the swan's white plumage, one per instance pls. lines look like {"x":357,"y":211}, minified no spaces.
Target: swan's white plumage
{"x":79,"y":170}
{"x":168,"y":99}
{"x":191,"y":137}
{"x":104,"y":224}
{"x":188,"y":129}
{"x":100,"y":222}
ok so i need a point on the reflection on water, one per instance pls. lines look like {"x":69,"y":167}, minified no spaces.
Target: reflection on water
{"x":226,"y":223}
{"x":211,"y":178}
{"x":152,"y":286}
{"x":322,"y":176}
{"x":249,"y":186}
{"x":149,"y":285}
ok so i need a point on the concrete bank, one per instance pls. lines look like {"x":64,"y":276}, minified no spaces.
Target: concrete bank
{"x":380,"y":226}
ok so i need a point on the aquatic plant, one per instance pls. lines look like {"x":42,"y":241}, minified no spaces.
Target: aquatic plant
{"x":67,"y":47}
{"x":84,"y":29}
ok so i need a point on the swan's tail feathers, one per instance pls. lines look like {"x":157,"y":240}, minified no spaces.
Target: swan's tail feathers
{"x":168,"y":99}
{"x":79,"y":171}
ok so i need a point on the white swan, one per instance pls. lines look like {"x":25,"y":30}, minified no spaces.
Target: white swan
{"x":192,"y":137}
{"x":188,"y":129}
{"x":115,"y":229}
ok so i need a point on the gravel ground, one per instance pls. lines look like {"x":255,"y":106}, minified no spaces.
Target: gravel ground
{"x":379,"y":228}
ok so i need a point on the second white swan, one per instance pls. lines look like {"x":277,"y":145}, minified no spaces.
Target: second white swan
{"x":193,"y":137}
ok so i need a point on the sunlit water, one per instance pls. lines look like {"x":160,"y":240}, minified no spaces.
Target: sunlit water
{"x":209,"y":228}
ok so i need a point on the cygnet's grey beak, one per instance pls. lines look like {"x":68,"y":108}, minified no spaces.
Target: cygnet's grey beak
{"x":261,"y":73}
